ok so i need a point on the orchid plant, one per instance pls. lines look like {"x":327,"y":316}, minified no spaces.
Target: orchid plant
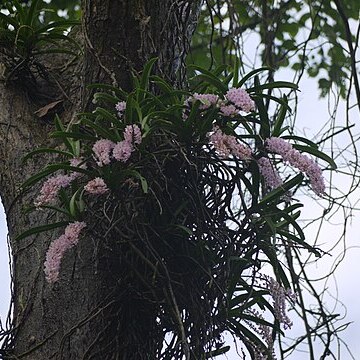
{"x":203,"y":178}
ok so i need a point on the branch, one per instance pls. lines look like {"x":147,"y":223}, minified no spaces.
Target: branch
{"x":351,"y":48}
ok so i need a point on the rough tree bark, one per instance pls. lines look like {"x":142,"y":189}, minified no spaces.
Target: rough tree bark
{"x":70,"y":320}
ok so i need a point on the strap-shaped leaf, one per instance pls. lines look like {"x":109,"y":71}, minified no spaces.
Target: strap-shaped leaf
{"x":117,"y":91}
{"x":47,"y":151}
{"x":161,"y":83}
{"x":144,"y":81}
{"x":137,"y":175}
{"x":57,"y":24}
{"x":217,"y":352}
{"x":250,"y":75}
{"x":209,"y":77}
{"x":32,"y":15}
{"x":9,"y":20}
{"x":302,"y":139}
{"x":40,"y":229}
{"x":319,"y":154}
{"x":277,"y":193}
{"x":281,"y":117}
{"x":274,"y":85}
{"x":76,"y":205}
{"x":36,"y":178}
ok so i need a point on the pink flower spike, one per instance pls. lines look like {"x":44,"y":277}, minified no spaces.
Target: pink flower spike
{"x":102,"y":150}
{"x":299,"y":161}
{"x":227,"y":144}
{"x":120,"y":107}
{"x":96,"y":186}
{"x":58,"y":248}
{"x":229,"y":110}
{"x":279,"y":295}
{"x":218,"y":140}
{"x":132,"y":134}
{"x":241,"y":99}
{"x":271,"y":176}
{"x":51,"y":188}
{"x":122,"y":151}
{"x":206,"y":100}
{"x":240,"y":151}
{"x":278,"y":146}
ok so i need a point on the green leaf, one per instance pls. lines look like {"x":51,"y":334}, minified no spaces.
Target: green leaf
{"x":211,"y":354}
{"x":280,"y":119}
{"x":302,"y":139}
{"x":47,"y":151}
{"x":144,"y":81}
{"x":162,"y":84}
{"x":68,"y":135}
{"x":61,"y":24}
{"x":274,"y":85}
{"x":107,"y":115}
{"x":244,"y":298}
{"x":51,"y":207}
{"x":251,"y":74}
{"x":136,"y":174}
{"x":235,"y":81}
{"x":118,"y":92}
{"x":20,"y":11}
{"x":210,"y":78}
{"x":9,"y":20}
{"x":60,"y":127}
{"x":277,"y":193}
{"x":31,"y":14}
{"x":241,"y":331}
{"x":129,"y":109}
{"x":279,"y":272}
{"x":263,"y":113}
{"x":319,"y":154}
{"x":40,"y":229}
{"x":36,"y":178}
{"x":274,"y":98}
{"x":186,"y":230}
{"x":213,"y":81}
{"x":105,"y":97}
{"x":75,"y":205}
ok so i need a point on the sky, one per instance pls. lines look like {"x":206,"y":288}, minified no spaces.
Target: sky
{"x":4,"y":268}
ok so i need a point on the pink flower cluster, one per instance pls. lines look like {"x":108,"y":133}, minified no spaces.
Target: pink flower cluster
{"x":229,"y":110}
{"x":102,"y":150}
{"x":298,"y":160}
{"x":122,"y":151}
{"x":51,"y":188}
{"x":120,"y":107}
{"x":270,"y":175}
{"x":241,"y":99}
{"x":105,"y":149}
{"x":279,"y":296}
{"x":265,"y":333}
{"x":227,"y":144}
{"x":235,"y":101}
{"x":132,"y":134}
{"x":96,"y":186}
{"x":58,"y":248}
{"x":206,"y":100}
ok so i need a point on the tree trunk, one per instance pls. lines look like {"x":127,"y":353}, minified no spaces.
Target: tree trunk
{"x":78,"y":317}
